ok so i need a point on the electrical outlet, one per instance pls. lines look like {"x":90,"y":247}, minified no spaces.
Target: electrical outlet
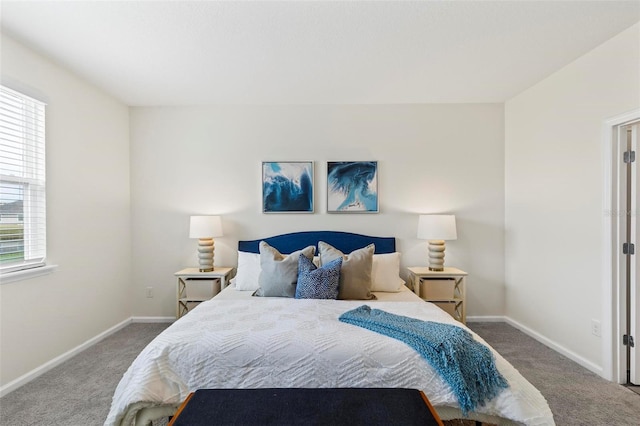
{"x":150,"y":292}
{"x":595,"y":327}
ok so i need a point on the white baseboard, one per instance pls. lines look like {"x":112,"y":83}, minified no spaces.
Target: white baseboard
{"x":545,"y":341}
{"x":153,"y":319}
{"x":486,"y":318}
{"x":26,"y":378}
{"x":557,"y":347}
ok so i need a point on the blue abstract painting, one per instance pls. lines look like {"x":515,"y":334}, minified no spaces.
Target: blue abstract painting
{"x":352,"y":186}
{"x":287,"y":187}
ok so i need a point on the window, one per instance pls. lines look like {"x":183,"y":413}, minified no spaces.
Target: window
{"x":22,"y":182}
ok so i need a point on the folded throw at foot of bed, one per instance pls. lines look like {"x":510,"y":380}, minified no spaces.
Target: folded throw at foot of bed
{"x":465,"y":364}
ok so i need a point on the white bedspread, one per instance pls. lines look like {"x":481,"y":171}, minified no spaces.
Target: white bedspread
{"x":278,"y":342}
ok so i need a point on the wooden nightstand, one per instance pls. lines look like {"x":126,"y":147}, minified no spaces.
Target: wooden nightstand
{"x":188,"y":301}
{"x":447,"y":289}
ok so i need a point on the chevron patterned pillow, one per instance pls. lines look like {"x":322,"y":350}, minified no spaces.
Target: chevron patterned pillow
{"x":318,"y":283}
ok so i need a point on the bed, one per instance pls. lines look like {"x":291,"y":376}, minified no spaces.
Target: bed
{"x":241,"y":340}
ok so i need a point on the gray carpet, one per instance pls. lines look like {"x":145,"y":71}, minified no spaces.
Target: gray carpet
{"x":635,"y":389}
{"x":576,"y":395}
{"x":78,"y":392}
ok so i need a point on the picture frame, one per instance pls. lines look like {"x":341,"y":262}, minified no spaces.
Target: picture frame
{"x":287,"y":187}
{"x":352,"y":187}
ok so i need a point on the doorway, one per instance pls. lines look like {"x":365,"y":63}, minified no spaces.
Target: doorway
{"x":628,"y":139}
{"x":622,"y":231}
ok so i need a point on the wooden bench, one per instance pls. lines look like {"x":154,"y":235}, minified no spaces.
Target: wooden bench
{"x":323,"y":406}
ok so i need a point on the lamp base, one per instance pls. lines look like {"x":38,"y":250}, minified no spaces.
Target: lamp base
{"x":205,"y":254}
{"x":436,"y":255}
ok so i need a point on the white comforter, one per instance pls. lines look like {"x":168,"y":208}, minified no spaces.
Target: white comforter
{"x":277,"y":342}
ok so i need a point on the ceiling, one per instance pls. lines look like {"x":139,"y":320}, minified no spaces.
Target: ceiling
{"x":309,"y":52}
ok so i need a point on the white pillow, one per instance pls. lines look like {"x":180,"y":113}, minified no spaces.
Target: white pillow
{"x":385,"y":273}
{"x":246,"y":278}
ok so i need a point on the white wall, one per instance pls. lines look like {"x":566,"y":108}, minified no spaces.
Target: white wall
{"x":554,"y":193}
{"x":207,"y":160}
{"x":88,"y":220}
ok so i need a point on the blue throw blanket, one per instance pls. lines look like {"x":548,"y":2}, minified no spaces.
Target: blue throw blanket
{"x":466,"y":365}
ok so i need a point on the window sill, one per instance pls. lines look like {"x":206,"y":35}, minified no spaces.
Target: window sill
{"x":26,"y":274}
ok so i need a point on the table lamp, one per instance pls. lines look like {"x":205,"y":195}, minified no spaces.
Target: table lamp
{"x":205,"y":228}
{"x":437,"y":228}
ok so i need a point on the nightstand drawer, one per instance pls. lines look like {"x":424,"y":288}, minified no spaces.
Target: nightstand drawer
{"x":202,"y":288}
{"x":438,"y":288}
{"x":195,"y":287}
{"x":446,"y":288}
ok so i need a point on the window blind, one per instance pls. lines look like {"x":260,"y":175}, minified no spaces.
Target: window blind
{"x":22,"y":182}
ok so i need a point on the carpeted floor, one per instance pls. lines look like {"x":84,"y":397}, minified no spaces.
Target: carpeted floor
{"x":78,"y":392}
{"x":576,"y":395}
{"x":635,"y":389}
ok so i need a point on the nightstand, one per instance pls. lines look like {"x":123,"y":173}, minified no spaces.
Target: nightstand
{"x":443,"y":288}
{"x":192,"y":277}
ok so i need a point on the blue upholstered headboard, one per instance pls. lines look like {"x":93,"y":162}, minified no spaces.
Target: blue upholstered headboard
{"x":343,"y":241}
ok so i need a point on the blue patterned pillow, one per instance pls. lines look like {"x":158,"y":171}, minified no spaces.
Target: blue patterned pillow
{"x":318,"y":283}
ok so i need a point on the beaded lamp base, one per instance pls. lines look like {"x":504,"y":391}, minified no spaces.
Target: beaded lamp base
{"x":205,"y":254}
{"x":436,"y":255}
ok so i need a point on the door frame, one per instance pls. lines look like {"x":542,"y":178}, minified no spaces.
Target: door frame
{"x":614,"y":363}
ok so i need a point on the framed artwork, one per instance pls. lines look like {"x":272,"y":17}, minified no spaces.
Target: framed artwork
{"x":287,"y":187}
{"x":352,"y":187}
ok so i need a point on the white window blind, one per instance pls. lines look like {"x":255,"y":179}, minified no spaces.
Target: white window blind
{"x":22,"y":182}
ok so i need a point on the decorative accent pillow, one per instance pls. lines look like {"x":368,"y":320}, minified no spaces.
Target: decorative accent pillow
{"x":279,"y":273}
{"x":318,"y":283}
{"x":248,"y":271}
{"x":355,"y":274}
{"x":385,"y":273}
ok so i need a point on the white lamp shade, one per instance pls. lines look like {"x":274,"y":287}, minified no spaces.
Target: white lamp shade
{"x":205,"y":227}
{"x":437,"y":227}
